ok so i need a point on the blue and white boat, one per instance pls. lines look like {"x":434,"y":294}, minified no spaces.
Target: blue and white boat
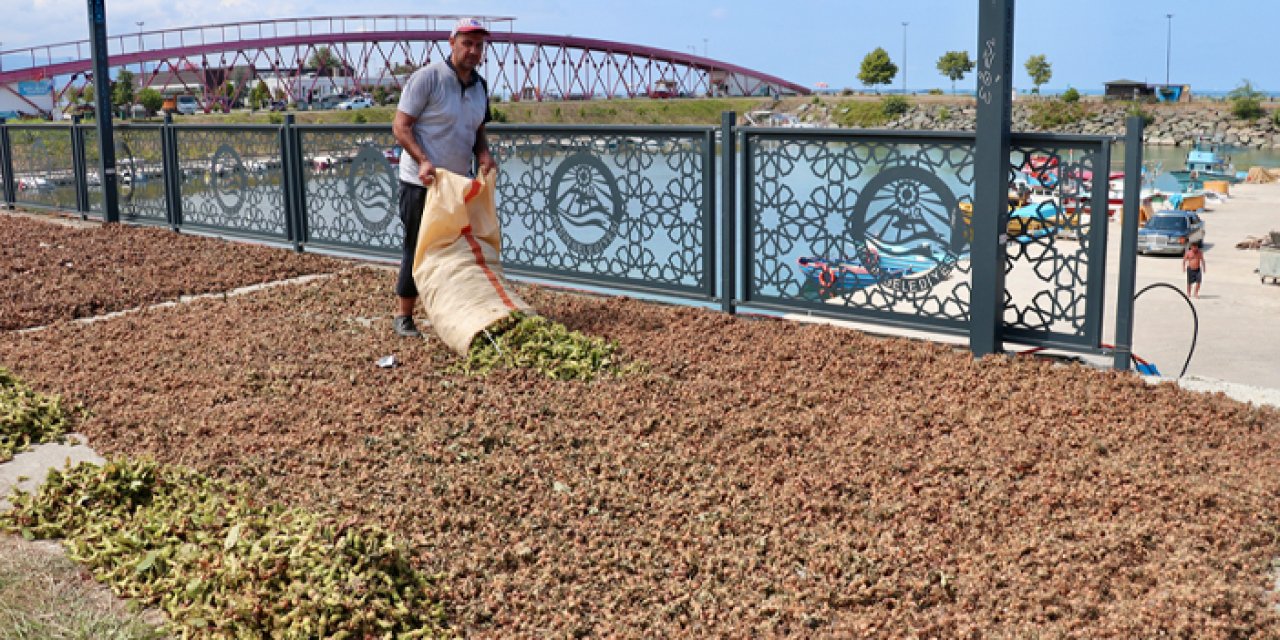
{"x":1205,"y":162}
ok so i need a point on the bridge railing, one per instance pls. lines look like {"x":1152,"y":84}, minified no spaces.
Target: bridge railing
{"x":873,"y":226}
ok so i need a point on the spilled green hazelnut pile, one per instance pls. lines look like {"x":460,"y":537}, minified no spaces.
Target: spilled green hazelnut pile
{"x":533,"y":342}
{"x":221,"y":564}
{"x":27,"y":417}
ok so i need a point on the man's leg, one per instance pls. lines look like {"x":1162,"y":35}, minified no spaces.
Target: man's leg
{"x":412,"y":199}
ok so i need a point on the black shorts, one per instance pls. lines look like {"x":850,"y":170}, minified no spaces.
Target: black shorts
{"x":1193,"y":276}
{"x":412,"y":199}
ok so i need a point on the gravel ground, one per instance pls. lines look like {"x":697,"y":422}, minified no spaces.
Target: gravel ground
{"x":54,"y":272}
{"x":760,"y":479}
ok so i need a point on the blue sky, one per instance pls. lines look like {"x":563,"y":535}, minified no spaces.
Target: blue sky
{"x":1216,"y":44}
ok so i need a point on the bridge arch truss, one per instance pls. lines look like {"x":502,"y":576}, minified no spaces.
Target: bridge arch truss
{"x":224,"y":61}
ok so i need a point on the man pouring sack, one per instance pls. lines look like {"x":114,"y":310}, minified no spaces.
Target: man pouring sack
{"x":453,"y":239}
{"x":439,"y":123}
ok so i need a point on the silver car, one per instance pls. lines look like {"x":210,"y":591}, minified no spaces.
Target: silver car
{"x":1170,"y":232}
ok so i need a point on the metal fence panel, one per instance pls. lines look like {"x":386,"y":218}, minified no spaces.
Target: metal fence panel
{"x":868,"y":225}
{"x":140,"y":170}
{"x":627,"y":207}
{"x":231,"y":179}
{"x":351,"y":188}
{"x":43,"y":167}
{"x":1056,"y":232}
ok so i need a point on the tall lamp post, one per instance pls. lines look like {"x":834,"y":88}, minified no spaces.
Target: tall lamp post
{"x":140,"y":63}
{"x":1168,"y":47}
{"x":904,"y":57}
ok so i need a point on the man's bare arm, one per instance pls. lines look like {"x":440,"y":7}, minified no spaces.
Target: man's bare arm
{"x":402,"y":129}
{"x":481,"y":149}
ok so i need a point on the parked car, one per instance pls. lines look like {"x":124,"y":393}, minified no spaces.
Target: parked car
{"x":187,"y":105}
{"x":360,"y":102}
{"x":1170,"y":232}
{"x":279,"y":105}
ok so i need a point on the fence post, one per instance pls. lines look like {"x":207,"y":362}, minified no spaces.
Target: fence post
{"x":79,"y":168}
{"x":172,"y":173}
{"x":991,"y":176}
{"x":7,"y":190}
{"x":728,"y":212}
{"x":291,"y":181}
{"x":102,"y":110}
{"x":1128,"y":242}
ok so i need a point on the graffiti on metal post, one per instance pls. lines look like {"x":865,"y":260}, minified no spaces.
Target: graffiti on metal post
{"x":985,"y":77}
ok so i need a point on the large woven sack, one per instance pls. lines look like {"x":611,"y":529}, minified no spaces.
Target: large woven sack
{"x":456,"y":262}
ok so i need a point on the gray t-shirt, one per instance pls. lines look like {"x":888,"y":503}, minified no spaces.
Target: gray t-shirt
{"x":448,"y":114}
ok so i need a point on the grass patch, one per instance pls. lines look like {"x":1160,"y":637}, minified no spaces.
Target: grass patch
{"x":27,"y":417}
{"x":860,"y":114}
{"x":43,"y":595}
{"x":221,"y":564}
{"x":533,"y":342}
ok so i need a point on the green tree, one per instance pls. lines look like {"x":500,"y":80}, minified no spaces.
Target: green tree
{"x":122,"y":89}
{"x":404,"y":69}
{"x":1040,"y":71}
{"x":1071,"y":95}
{"x":259,"y":95}
{"x":86,"y":94}
{"x":324,"y":59}
{"x":151,"y":99}
{"x":380,"y":95}
{"x":877,"y":68}
{"x":954,"y":65}
{"x":1246,"y":102}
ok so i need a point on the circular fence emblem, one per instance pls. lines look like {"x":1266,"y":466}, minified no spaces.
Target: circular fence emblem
{"x":907,"y":229}
{"x":585,"y":204}
{"x":227,"y":179}
{"x":371,"y":188}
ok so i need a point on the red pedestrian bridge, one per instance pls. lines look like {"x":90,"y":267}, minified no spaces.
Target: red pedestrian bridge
{"x":314,"y":61}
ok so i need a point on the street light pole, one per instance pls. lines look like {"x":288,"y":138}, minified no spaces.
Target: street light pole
{"x":141,"y":70}
{"x":904,"y":57}
{"x":1168,"y":47}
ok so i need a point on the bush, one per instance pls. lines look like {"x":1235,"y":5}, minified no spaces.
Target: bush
{"x":944,"y":114}
{"x":935,"y":92}
{"x":1051,"y":114}
{"x":359,"y":118}
{"x":1275,"y":118}
{"x":1247,"y":108}
{"x":1136,"y":109}
{"x":1071,"y":95}
{"x":894,"y":106}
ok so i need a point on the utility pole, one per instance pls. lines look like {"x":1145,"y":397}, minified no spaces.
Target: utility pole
{"x":1168,"y":47}
{"x":102,"y":109}
{"x":904,"y":57}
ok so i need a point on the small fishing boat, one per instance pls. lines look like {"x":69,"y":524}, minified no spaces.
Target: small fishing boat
{"x":1205,"y":162}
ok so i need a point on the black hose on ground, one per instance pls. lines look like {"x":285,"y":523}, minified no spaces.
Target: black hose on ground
{"x":1195,"y":330}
